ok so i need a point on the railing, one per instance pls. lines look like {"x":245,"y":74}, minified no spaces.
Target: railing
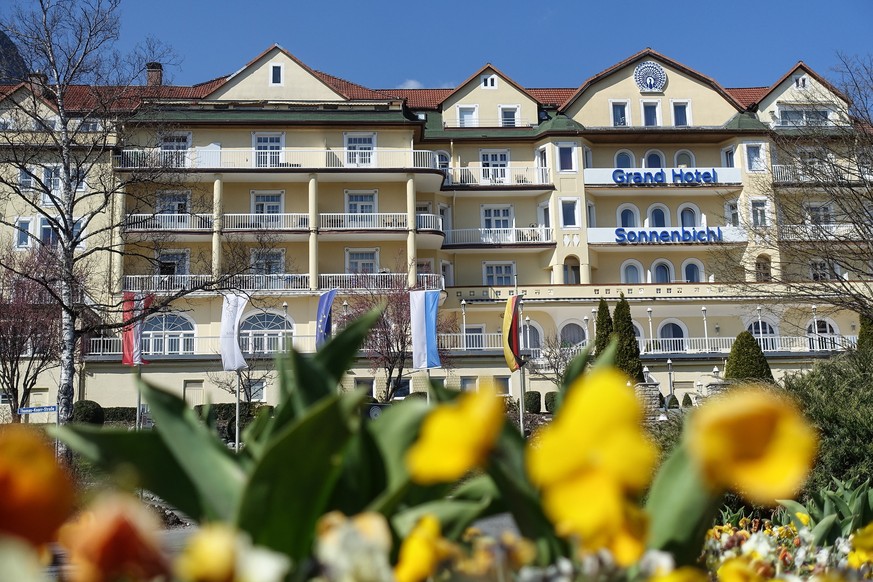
{"x":768,"y":343}
{"x":136,"y":222}
{"x":497,"y":236}
{"x":476,"y":175}
{"x":246,"y":158}
{"x":363,"y":221}
{"x":825,"y":173}
{"x":377,"y":281}
{"x":275,"y":282}
{"x":488,"y":122}
{"x":428,"y":222}
{"x":470,"y":341}
{"x":165,"y":283}
{"x":186,"y":343}
{"x":818,"y":232}
{"x":294,"y":221}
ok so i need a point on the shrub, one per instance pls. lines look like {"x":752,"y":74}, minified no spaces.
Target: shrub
{"x":120,"y":414}
{"x":551,"y":399}
{"x":627,"y":356}
{"x":686,"y":401}
{"x":746,"y":360}
{"x":865,"y":334}
{"x":533,"y":402}
{"x":604,"y":327}
{"x":417,"y":396}
{"x":672,"y":402}
{"x":88,"y":412}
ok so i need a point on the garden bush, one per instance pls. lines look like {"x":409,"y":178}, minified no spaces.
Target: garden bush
{"x":686,"y":401}
{"x":604,"y":327}
{"x":551,"y":399}
{"x":671,"y":402}
{"x":627,"y":356}
{"x":120,"y":414}
{"x":417,"y":395}
{"x":88,"y":412}
{"x":533,"y":402}
{"x":746,"y":360}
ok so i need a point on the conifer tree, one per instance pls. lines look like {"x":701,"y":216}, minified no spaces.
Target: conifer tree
{"x":865,"y":334}
{"x":746,"y":360}
{"x":604,"y":327}
{"x":627,"y":356}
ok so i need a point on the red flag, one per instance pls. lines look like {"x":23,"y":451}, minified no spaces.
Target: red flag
{"x":511,"y":344}
{"x":131,"y":340}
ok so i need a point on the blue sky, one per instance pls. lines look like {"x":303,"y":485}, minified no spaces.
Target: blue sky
{"x":539,"y":44}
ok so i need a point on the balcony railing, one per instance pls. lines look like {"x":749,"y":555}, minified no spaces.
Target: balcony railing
{"x":768,"y":343}
{"x":826,"y":172}
{"x":168,"y":344}
{"x":294,"y":221}
{"x":819,"y":232}
{"x":470,"y":341}
{"x":499,"y":236}
{"x":477,"y":175}
{"x":275,"y":282}
{"x":489,"y":122}
{"x":168,"y":222}
{"x":288,"y":158}
{"x":363,"y":221}
{"x":165,"y":283}
{"x":428,"y":222}
{"x":377,"y":281}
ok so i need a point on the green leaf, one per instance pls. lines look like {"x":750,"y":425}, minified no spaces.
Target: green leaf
{"x":454,"y":515}
{"x":393,"y":432}
{"x":681,"y":508}
{"x":337,"y":355}
{"x":793,"y":508}
{"x":211,"y":467}
{"x":291,"y":485}
{"x":822,"y":530}
{"x":575,"y":368}
{"x":143,"y":453}
{"x":841,"y":506}
{"x":362,"y":478}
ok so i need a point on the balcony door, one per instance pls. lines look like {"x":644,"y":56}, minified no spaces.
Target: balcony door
{"x":268,"y":150}
{"x":360,"y":150}
{"x":498,"y":222}
{"x":361,"y":208}
{"x":268,"y":207}
{"x":176,"y":208}
{"x":494,"y":166}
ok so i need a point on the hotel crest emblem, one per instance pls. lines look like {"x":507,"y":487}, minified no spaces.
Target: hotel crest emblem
{"x":650,"y":77}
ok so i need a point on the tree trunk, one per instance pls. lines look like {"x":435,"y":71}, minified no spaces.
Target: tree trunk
{"x":68,"y":358}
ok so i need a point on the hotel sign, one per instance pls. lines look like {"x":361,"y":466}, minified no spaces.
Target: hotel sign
{"x":676,"y":175}
{"x":659,"y":236}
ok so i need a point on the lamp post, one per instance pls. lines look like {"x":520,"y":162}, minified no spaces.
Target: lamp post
{"x":760,"y":327}
{"x":651,"y":334}
{"x":715,"y":371}
{"x":594,"y":320}
{"x":284,"y":325}
{"x":670,"y":375}
{"x":464,"y":324}
{"x":705,"y":328}
{"x":587,"y":336}
{"x":814,"y":328}
{"x":646,"y":373}
{"x":527,"y":333}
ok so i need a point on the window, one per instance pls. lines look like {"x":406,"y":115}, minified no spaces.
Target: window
{"x":443,"y":161}
{"x":255,"y":389}
{"x":684,"y":159}
{"x":362,"y":261}
{"x":570,"y":213}
{"x":468,"y":383}
{"x":628,"y":218}
{"x":360,"y":202}
{"x":821,"y":270}
{"x":692,"y":273}
{"x":763,"y":273}
{"x":759,"y":213}
{"x":448,"y":273}
{"x":276,"y":74}
{"x":48,"y":233}
{"x":173,"y":263}
{"x":508,"y":115}
{"x":755,"y":157}
{"x":624,"y":160}
{"x":818,"y":214}
{"x":661,"y":273}
{"x":764,"y":333}
{"x":173,"y":203}
{"x":360,"y":149}
{"x":566,"y":157}
{"x":494,"y":165}
{"x":468,"y":116}
{"x":688,"y":217}
{"x":168,"y":333}
{"x":474,"y":338}
{"x":174,"y":150}
{"x":268,"y":149}
{"x":265,"y":333}
{"x":651,"y":113}
{"x":658,"y":217}
{"x":89,"y":125}
{"x":631,"y":273}
{"x":499,"y":274}
{"x":588,"y":156}
{"x":25,"y":180}
{"x":268,"y":262}
{"x":654,"y":160}
{"x":266,"y":202}
{"x":619,"y":114}
{"x":821,"y":335}
{"x":803,"y":117}
{"x":732,"y":213}
{"x":51,"y":177}
{"x":672,"y":337}
{"x":680,"y":114}
{"x":364,"y":385}
{"x":727,"y":157}
{"x":531,"y":339}
{"x":22,"y":236}
{"x":489,"y":81}
{"x":572,"y":271}
{"x":800,"y":82}
{"x":501,"y":384}
{"x":572,"y":335}
{"x":499,"y":219}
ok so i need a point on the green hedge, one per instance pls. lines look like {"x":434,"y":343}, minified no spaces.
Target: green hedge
{"x":532,"y":402}
{"x":120,"y":414}
{"x":88,"y":412}
{"x":551,"y":399}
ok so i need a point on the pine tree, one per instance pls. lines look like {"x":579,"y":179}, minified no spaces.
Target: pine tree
{"x":604,"y":327}
{"x":865,"y":334}
{"x":746,"y":360}
{"x":627,"y":356}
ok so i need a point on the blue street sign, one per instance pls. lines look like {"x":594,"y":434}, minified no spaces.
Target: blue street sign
{"x":35,"y":409}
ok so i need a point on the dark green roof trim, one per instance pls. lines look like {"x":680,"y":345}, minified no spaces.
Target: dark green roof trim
{"x":746,"y":121}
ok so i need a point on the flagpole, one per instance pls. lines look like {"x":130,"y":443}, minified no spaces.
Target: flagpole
{"x":236,"y":435}
{"x":138,"y":399}
{"x":521,"y":397}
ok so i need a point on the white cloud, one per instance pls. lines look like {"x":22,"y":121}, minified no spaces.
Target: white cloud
{"x":410,"y":84}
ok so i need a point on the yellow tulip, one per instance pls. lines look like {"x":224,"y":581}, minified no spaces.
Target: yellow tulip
{"x":754,"y":441}
{"x":683,"y":574}
{"x":456,"y":437}
{"x":738,"y":570}
{"x":422,"y":551}
{"x":36,"y":494}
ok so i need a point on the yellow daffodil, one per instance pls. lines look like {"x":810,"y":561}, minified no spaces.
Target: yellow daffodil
{"x":36,"y":494}
{"x":116,"y":539}
{"x":683,"y":574}
{"x":738,"y":570}
{"x":862,"y":547}
{"x":588,"y":462}
{"x":422,"y":551}
{"x":456,"y":437}
{"x":754,"y":441}
{"x":218,"y":553}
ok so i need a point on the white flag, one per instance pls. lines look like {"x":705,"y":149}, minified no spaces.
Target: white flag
{"x":423,"y":318}
{"x":231,"y":312}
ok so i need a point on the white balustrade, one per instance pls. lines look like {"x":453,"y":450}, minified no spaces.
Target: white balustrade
{"x":292,"y":221}
{"x":147,"y":222}
{"x":273,"y":282}
{"x":187,"y":344}
{"x":428,"y":222}
{"x":363,"y":221}
{"x":489,"y":122}
{"x":165,"y":283}
{"x":496,"y":236}
{"x":477,"y":175}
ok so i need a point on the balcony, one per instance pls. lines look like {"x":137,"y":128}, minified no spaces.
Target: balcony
{"x":768,"y":343}
{"x":623,"y":237}
{"x":176,"y":344}
{"x":489,"y":123}
{"x":477,"y":175}
{"x":820,"y":232}
{"x":377,"y":281}
{"x":662,"y":177}
{"x":363,"y":221}
{"x":483,"y":237}
{"x":168,"y":222}
{"x":166,"y":284}
{"x":208,"y":158}
{"x":293,"y":221}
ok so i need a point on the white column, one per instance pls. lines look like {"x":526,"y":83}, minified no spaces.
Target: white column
{"x":313,"y":231}
{"x":411,"y":252}
{"x":217,"y":224}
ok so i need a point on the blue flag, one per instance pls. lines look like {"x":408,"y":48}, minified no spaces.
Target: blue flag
{"x":423,"y":307}
{"x":322,"y":317}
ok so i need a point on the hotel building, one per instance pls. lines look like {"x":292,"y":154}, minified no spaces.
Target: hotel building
{"x":642,"y":181}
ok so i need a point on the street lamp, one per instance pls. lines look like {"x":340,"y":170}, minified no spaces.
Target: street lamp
{"x":284,"y":325}
{"x":715,"y":371}
{"x":705,"y":328}
{"x":651,"y":334}
{"x":527,"y":333}
{"x":587,"y":337}
{"x":760,"y":326}
{"x":814,"y":327}
{"x":646,"y":373}
{"x":464,"y":324}
{"x":670,"y":375}
{"x":594,"y":320}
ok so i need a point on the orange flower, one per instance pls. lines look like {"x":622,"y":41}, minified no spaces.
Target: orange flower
{"x":116,"y":539}
{"x":36,"y":494}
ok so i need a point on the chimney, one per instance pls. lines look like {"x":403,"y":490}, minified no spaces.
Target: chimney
{"x":37,"y":82}
{"x":154,"y":74}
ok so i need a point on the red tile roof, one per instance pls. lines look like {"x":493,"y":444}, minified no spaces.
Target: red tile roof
{"x":552,"y":96}
{"x":747,"y":96}
{"x":348,"y":89}
{"x":420,"y":98}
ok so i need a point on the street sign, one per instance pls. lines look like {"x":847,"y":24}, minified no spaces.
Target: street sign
{"x":36,"y":409}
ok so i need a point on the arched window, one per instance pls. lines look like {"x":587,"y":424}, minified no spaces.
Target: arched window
{"x":822,"y":335}
{"x":628,"y":218}
{"x":631,"y":274}
{"x":443,"y":161}
{"x":765,"y":334}
{"x":168,"y":333}
{"x":624,"y":160}
{"x":571,"y":271}
{"x":672,"y":337}
{"x":692,"y":273}
{"x":265,"y":333}
{"x":531,"y":340}
{"x":684,"y":159}
{"x":688,"y":217}
{"x":763,"y":273}
{"x":662,"y":273}
{"x":572,"y":335}
{"x":658,"y":218}
{"x":654,"y":160}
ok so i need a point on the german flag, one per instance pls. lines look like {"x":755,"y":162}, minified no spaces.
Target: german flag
{"x":511,"y":344}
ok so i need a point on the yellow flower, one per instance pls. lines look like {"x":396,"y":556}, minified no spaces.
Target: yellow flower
{"x":117,"y":539}
{"x":683,"y":574}
{"x":354,"y":549}
{"x":422,"y":551}
{"x":456,"y":437}
{"x":862,"y":547}
{"x":802,"y":518}
{"x":36,"y":494}
{"x":588,"y":462}
{"x":218,"y":553}
{"x":738,"y":570}
{"x":754,"y":441}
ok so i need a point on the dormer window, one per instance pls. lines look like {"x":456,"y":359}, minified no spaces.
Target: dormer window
{"x":800,"y":82}
{"x":489,"y":81}
{"x":276,"y":76}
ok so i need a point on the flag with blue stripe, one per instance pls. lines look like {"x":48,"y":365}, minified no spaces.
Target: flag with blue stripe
{"x":423,"y":316}
{"x":322,"y":317}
